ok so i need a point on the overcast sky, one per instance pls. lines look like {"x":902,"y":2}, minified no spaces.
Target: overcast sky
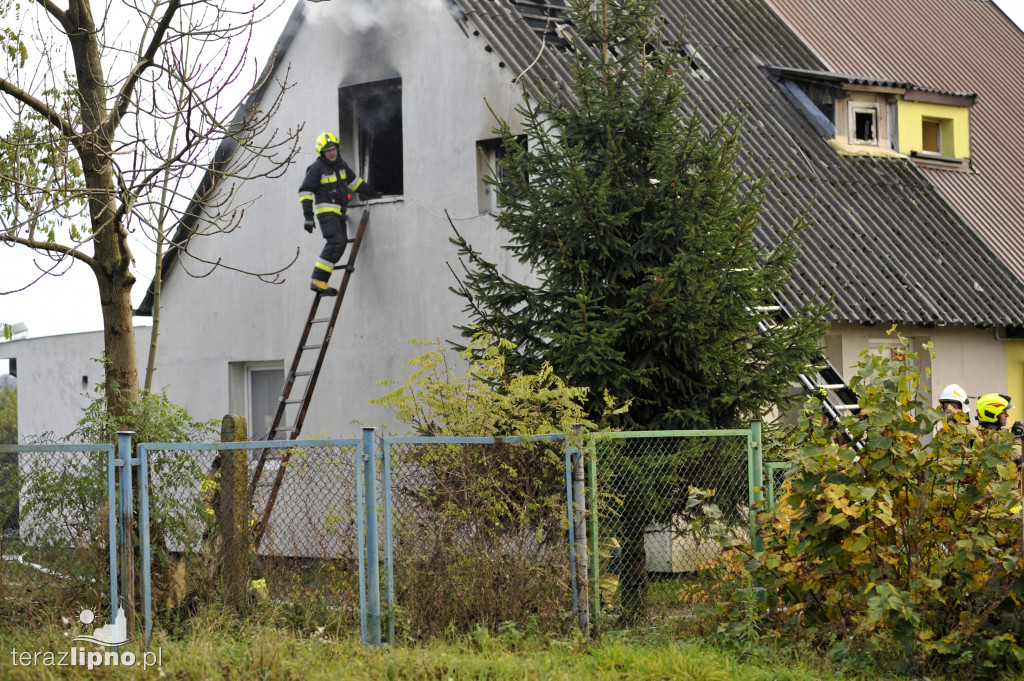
{"x":70,"y":303}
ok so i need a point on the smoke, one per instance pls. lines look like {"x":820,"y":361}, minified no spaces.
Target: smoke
{"x":355,"y":17}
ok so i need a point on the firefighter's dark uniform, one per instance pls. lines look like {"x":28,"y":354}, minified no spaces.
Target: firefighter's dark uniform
{"x":325,"y":193}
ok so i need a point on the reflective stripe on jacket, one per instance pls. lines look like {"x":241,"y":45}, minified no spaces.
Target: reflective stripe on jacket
{"x":327,"y":188}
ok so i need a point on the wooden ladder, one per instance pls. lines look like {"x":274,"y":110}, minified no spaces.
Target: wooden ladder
{"x":305,"y":390}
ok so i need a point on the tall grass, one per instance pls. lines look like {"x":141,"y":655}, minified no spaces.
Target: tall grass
{"x":219,"y":645}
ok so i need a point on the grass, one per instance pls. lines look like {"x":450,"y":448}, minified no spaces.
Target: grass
{"x":222,"y":646}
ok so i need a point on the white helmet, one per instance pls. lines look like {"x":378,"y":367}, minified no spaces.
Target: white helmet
{"x":954,"y":393}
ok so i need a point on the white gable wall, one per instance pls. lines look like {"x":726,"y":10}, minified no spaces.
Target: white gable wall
{"x":400,"y":288}
{"x":57,"y":376}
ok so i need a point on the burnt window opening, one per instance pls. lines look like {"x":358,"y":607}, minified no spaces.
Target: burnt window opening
{"x":865,"y":126}
{"x":490,"y":156}
{"x":371,"y":133}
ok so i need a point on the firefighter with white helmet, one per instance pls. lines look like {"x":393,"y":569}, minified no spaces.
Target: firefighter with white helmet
{"x":954,"y":399}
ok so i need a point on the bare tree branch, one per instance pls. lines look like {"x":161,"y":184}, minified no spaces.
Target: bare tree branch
{"x":124,"y":97}
{"x":40,"y":107}
{"x":51,"y":247}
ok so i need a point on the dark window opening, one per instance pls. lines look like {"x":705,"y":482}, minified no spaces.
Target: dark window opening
{"x":931,"y":137}
{"x":371,"y":133}
{"x":864,"y":126}
{"x":490,"y":164}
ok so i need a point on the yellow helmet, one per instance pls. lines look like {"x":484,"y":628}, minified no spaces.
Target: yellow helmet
{"x":324,"y":140}
{"x":989,"y":407}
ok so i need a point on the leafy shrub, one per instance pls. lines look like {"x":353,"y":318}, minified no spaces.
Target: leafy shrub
{"x":480,"y":530}
{"x":908,"y":548}
{"x":64,"y":495}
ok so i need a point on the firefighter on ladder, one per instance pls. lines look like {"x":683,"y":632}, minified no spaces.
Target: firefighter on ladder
{"x":209,"y":494}
{"x":324,"y":195}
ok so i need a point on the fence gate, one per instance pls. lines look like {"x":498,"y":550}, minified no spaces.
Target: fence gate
{"x":643,"y":546}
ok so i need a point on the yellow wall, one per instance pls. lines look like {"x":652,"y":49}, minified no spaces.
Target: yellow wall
{"x":1015,"y":377}
{"x":910,"y":116}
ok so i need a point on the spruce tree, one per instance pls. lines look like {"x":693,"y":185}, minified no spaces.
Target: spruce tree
{"x":637,"y":218}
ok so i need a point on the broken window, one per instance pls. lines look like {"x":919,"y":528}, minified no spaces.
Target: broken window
{"x":865,"y":125}
{"x":371,"y":133}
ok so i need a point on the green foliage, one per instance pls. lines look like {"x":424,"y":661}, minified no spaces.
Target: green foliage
{"x":8,"y":416}
{"x":40,"y":170}
{"x":480,"y":528}
{"x":638,"y":222}
{"x":489,"y":399}
{"x":908,"y":549}
{"x":154,"y":418}
{"x":64,"y":493}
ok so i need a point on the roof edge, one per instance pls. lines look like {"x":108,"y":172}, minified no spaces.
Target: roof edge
{"x":221,"y":156}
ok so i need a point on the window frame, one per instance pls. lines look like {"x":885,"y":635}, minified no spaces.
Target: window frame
{"x":250,"y":368}
{"x":863,"y":108}
{"x":351,"y":101}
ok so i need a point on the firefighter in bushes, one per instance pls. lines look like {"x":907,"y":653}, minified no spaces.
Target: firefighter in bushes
{"x":324,"y":195}
{"x":209,"y":494}
{"x":954,"y":401}
{"x":993,"y":414}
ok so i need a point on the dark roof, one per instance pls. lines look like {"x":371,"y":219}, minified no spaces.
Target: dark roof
{"x":965,"y":45}
{"x":881,"y":241}
{"x":225,"y":150}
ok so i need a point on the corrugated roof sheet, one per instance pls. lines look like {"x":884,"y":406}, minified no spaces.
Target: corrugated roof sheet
{"x":881,"y":241}
{"x":946,"y":45}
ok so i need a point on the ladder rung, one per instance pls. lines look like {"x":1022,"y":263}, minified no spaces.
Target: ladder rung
{"x":310,"y":347}
{"x":768,"y":308}
{"x":320,"y":320}
{"x":293,"y":401}
{"x":833,"y":386}
{"x":846,"y":407}
{"x":301,"y":373}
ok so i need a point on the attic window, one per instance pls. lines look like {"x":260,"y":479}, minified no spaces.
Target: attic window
{"x":489,"y":157}
{"x":371,"y":133}
{"x":864,"y":124}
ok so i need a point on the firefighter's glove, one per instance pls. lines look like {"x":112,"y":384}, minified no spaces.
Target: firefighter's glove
{"x":370,"y":194}
{"x":1017,"y":429}
{"x":309,"y":225}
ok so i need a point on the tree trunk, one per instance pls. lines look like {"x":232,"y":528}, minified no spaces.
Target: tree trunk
{"x":112,"y":255}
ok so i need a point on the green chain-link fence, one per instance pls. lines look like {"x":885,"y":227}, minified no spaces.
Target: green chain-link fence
{"x":648,"y":549}
{"x":479,"y":534}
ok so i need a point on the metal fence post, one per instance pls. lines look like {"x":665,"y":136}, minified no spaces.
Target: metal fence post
{"x":595,"y":557}
{"x":127,"y":553}
{"x":755,"y":476}
{"x":144,"y":539}
{"x":572,"y":527}
{"x":389,"y":542}
{"x":372,"y":552}
{"x":112,"y":525}
{"x":580,"y":520}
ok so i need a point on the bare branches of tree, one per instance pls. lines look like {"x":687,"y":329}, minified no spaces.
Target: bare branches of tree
{"x":124,"y":131}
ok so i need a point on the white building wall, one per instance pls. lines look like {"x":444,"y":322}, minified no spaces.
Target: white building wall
{"x":400,"y":288}
{"x":57,"y":376}
{"x":974,"y":358}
